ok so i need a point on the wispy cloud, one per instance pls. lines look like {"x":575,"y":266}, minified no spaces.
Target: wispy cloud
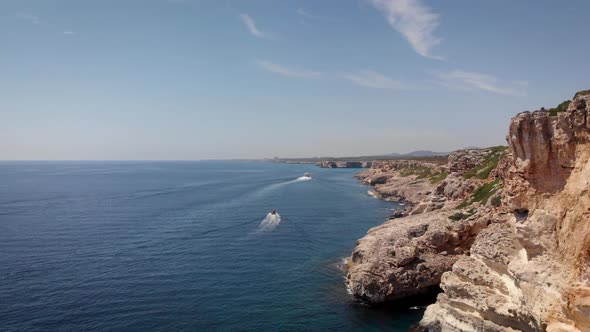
{"x":286,"y":71}
{"x":36,"y":20}
{"x":33,"y":19}
{"x":463,"y":80}
{"x":415,"y":21}
{"x":304,"y":13}
{"x":251,"y":26}
{"x":373,"y":79}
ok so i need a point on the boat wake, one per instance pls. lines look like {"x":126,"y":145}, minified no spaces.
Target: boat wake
{"x":270,"y":222}
{"x":303,"y":178}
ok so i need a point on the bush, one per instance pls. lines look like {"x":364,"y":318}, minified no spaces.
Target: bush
{"x":582,"y":93}
{"x":463,"y":205}
{"x":421,"y":172}
{"x":483,"y":170}
{"x":496,"y":201}
{"x":458,"y":216}
{"x":439,"y":177}
{"x":483,"y":193}
{"x":560,"y":108}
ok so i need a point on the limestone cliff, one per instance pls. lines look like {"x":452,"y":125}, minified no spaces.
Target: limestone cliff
{"x":505,"y":234}
{"x":407,"y":256}
{"x":345,"y":164}
{"x":530,"y":273}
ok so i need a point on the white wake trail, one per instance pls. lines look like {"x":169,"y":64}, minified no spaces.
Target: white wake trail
{"x":270,"y":222}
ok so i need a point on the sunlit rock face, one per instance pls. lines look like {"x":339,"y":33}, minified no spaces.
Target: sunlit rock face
{"x":407,"y":255}
{"x":531,"y":272}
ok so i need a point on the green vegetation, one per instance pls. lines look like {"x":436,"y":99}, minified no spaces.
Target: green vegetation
{"x":423,"y":172}
{"x":483,"y":193}
{"x":458,"y":216}
{"x":463,"y":205}
{"x":560,"y":108}
{"x":483,"y":170}
{"x":439,"y":177}
{"x":582,"y":93}
{"x":496,"y":201}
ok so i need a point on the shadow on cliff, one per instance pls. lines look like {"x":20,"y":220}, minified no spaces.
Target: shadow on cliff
{"x":407,"y":311}
{"x":409,"y":303}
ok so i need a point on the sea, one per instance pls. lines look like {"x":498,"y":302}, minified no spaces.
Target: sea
{"x":184,"y":246}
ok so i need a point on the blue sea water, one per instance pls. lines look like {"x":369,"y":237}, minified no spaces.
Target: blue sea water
{"x":177,"y":246}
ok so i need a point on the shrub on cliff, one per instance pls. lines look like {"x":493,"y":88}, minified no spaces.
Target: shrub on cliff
{"x":424,"y":172}
{"x":483,"y":193}
{"x":483,"y":170}
{"x":458,"y":216}
{"x":560,"y":108}
{"x":496,"y":201}
{"x":582,"y":93}
{"x":438,"y":177}
{"x":421,"y":172}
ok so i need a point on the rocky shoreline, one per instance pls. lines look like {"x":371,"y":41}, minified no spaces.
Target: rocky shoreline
{"x":345,"y":164}
{"x":504,"y":232}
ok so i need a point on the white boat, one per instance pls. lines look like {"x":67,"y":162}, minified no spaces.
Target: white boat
{"x":306,"y":177}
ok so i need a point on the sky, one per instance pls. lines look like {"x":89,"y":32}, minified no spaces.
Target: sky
{"x":222,"y":79}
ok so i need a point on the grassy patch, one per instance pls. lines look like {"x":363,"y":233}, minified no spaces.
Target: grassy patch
{"x":560,"y":108}
{"x":483,"y":170}
{"x":463,"y":205}
{"x":438,"y":177}
{"x":421,"y":172}
{"x":458,"y":216}
{"x":424,"y":172}
{"x":483,"y":193}
{"x":582,"y":93}
{"x":496,"y":201}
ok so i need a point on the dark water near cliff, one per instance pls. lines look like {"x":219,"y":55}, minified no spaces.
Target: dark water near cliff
{"x":177,"y":246}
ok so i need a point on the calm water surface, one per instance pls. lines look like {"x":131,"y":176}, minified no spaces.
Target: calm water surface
{"x":135,"y":246}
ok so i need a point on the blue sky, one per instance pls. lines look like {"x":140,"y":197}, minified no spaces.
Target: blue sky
{"x":192,"y":79}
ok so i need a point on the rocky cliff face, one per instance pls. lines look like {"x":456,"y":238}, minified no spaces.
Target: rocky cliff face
{"x":407,"y":256}
{"x":529,"y":270}
{"x":506,"y":234}
{"x":345,"y":164}
{"x":401,"y":180}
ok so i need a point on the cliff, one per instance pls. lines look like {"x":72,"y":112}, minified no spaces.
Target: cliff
{"x":531,"y":272}
{"x":345,"y":164}
{"x":508,"y":240}
{"x":407,"y":256}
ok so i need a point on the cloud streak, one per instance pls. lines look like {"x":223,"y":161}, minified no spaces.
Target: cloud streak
{"x":373,"y":79}
{"x":302,"y":12}
{"x":33,"y":19}
{"x":415,"y":21}
{"x":364,"y":78}
{"x":252,"y":28}
{"x":286,"y":71}
{"x":463,"y":80}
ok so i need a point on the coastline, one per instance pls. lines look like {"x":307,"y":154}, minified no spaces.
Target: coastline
{"x":502,"y":233}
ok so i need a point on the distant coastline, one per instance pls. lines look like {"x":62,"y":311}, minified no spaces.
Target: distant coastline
{"x":366,"y":161}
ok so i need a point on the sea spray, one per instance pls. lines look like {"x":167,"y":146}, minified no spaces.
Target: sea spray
{"x":269,"y":188}
{"x":270,"y":222}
